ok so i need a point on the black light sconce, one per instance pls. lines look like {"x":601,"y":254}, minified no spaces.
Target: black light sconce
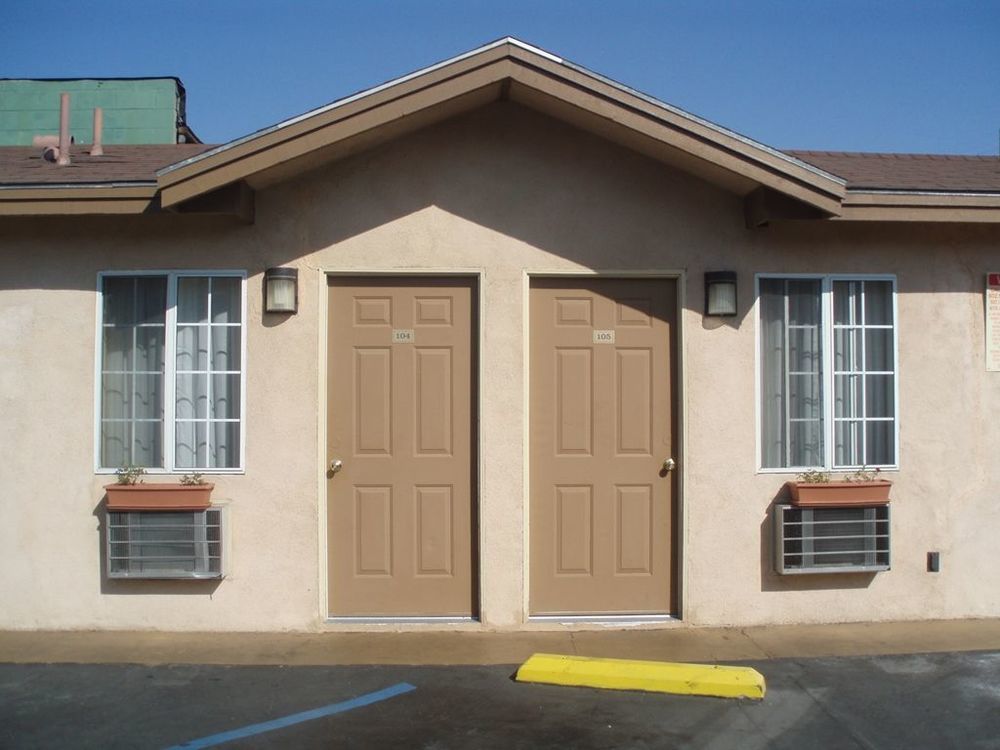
{"x":720,"y":293}
{"x":281,"y":290}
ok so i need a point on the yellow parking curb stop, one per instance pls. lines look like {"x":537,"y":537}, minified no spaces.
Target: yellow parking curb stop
{"x":652,"y":676}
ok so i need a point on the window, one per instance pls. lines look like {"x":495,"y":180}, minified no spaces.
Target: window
{"x":171,"y":370}
{"x":827,"y":372}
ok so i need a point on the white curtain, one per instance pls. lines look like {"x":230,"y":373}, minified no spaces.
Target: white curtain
{"x":864,"y":373}
{"x":791,"y":373}
{"x":772,"y":362}
{"x":209,"y":351}
{"x":132,"y":364}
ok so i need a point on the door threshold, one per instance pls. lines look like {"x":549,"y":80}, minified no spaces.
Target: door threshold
{"x":425,"y":620}
{"x":610,"y":620}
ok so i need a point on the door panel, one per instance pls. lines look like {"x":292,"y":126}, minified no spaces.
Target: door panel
{"x":602,"y":511}
{"x":401,"y":510}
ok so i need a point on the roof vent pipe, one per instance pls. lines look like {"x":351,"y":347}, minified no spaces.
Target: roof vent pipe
{"x":63,"y":157}
{"x":97,"y":148}
{"x":41,"y":141}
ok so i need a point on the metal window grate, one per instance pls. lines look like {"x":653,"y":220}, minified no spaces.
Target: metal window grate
{"x":831,"y":540}
{"x":166,"y":544}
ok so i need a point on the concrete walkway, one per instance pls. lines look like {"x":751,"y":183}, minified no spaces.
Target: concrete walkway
{"x":679,"y":643}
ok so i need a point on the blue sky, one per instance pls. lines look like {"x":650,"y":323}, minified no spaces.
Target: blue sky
{"x":850,"y":75}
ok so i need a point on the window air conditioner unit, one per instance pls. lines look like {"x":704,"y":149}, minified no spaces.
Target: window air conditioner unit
{"x":167,"y":544}
{"x":831,"y":540}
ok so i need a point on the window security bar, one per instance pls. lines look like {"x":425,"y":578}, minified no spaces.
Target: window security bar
{"x":852,"y":536}
{"x":166,"y":544}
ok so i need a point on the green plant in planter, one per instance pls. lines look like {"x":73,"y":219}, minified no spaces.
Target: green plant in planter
{"x":817,"y":488}
{"x":129,"y":474}
{"x":864,"y":474}
{"x":814,"y":476}
{"x":190,"y":480}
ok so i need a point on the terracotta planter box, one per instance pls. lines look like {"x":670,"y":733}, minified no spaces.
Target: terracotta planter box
{"x":159,"y":496}
{"x":819,"y":494}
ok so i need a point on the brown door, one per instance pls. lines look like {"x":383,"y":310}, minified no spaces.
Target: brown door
{"x":602,"y":425}
{"x":400,"y":509}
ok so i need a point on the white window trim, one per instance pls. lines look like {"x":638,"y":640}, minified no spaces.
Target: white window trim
{"x":826,"y":280}
{"x":169,"y":369}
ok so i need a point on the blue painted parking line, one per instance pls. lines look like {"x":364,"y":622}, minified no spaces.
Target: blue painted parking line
{"x":287,"y":721}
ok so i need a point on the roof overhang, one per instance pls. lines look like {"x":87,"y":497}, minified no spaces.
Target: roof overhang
{"x":775,"y":186}
{"x":506,"y":69}
{"x":78,"y":199}
{"x":891,"y":205}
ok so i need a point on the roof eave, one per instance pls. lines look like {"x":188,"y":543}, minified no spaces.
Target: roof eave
{"x":494,"y":64}
{"x":921,"y":205}
{"x":74,"y":199}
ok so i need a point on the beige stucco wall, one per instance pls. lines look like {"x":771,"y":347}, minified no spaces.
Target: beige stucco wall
{"x":500,"y":193}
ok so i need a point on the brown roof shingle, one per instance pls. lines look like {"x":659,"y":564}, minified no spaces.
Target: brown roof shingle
{"x":24,"y":166}
{"x":925,"y":172}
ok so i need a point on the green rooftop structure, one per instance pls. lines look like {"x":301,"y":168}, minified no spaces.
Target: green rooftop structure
{"x":136,"y":110}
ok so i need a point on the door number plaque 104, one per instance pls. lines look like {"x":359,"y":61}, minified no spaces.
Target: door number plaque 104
{"x":402,"y":335}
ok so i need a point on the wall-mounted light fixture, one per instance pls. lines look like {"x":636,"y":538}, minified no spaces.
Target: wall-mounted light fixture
{"x":281,"y":290}
{"x":720,"y":293}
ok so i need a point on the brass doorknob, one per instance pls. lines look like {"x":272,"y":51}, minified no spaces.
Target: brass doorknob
{"x":669,"y":464}
{"x":336,"y":465}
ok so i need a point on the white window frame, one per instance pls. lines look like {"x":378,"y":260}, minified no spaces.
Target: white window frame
{"x":826,"y":310}
{"x":169,"y":369}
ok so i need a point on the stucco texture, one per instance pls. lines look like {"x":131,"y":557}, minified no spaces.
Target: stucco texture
{"x":500,"y":193}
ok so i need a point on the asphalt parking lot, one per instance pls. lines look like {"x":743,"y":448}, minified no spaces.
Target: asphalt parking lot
{"x":920,"y":701}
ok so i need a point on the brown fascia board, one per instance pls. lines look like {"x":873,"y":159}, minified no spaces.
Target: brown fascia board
{"x":56,"y":200}
{"x":670,"y":143}
{"x":491,"y":69}
{"x":236,"y":199}
{"x":253,"y":158}
{"x":891,"y":205}
{"x":296,"y":137}
{"x":679,"y":129}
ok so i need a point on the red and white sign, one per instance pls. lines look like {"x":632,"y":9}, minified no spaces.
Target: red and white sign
{"x":993,"y":322}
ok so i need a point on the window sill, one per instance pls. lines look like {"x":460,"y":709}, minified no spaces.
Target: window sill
{"x":795,"y":471}
{"x":178,"y":473}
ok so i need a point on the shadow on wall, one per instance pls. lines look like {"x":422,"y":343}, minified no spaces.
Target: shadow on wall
{"x":514,"y":172}
{"x":126,"y":587}
{"x":528,"y":177}
{"x":744,"y":306}
{"x":771,"y":581}
{"x":504,"y":168}
{"x":574,"y":195}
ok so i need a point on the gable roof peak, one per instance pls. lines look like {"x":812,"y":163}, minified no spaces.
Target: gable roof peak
{"x":509,"y":68}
